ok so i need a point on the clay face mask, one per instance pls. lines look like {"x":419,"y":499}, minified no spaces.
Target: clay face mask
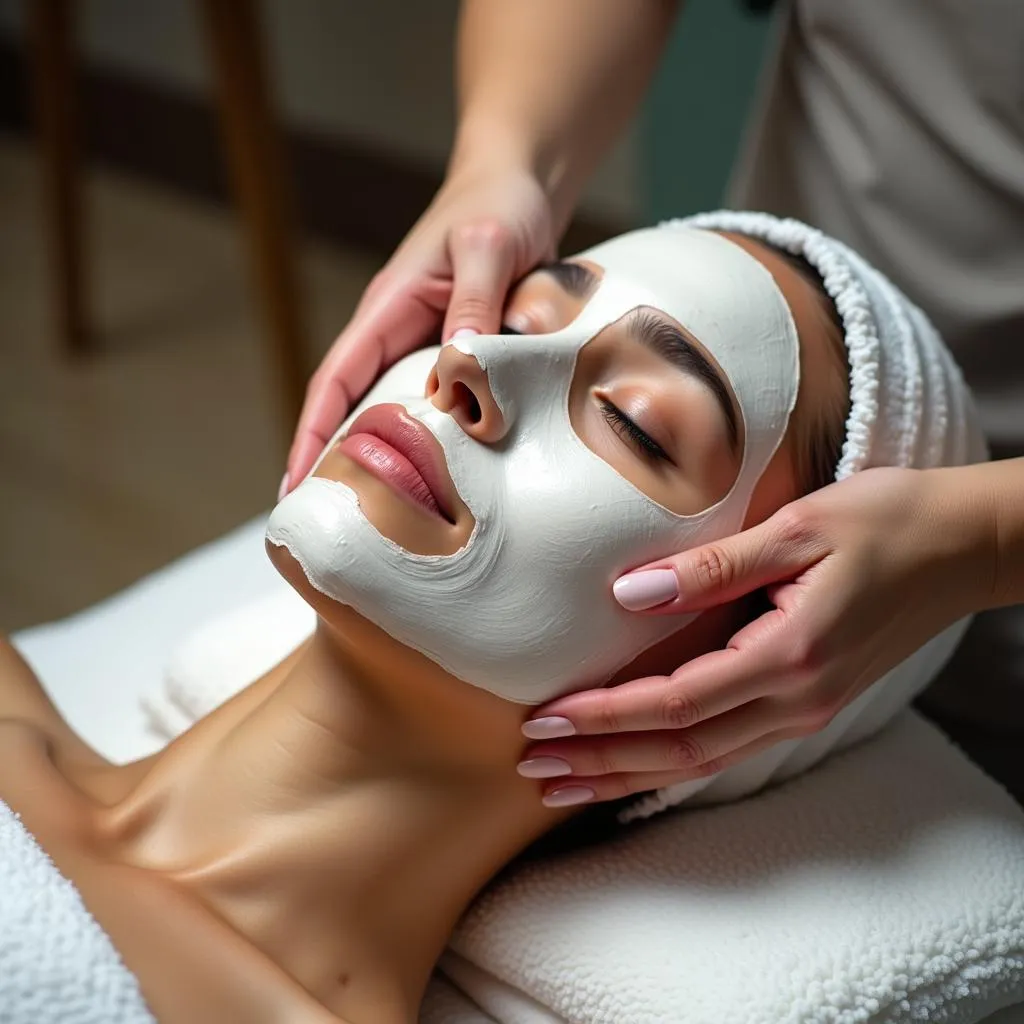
{"x":525,"y":609}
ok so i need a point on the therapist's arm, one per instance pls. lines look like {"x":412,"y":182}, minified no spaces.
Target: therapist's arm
{"x":550,"y":85}
{"x":544,"y":87}
{"x":1001,"y":485}
{"x":860,"y":574}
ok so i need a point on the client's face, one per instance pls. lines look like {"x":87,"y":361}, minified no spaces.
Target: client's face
{"x":633,"y":408}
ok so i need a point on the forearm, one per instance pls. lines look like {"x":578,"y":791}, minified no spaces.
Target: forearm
{"x":1000,"y":488}
{"x":551,"y":84}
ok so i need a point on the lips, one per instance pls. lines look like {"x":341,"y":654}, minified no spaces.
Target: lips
{"x":400,"y":450}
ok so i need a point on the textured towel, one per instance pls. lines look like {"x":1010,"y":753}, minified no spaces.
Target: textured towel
{"x":885,"y":886}
{"x":57,"y":966}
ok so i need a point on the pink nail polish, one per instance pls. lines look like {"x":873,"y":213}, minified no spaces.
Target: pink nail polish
{"x":647,"y":589}
{"x":552,"y":727}
{"x":567,"y":796}
{"x":465,"y":332}
{"x":543,"y":768}
{"x":283,"y":489}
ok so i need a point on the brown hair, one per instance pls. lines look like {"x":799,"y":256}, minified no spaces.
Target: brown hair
{"x":820,"y":427}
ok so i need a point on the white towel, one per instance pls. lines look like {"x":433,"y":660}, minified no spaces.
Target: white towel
{"x":57,"y":965}
{"x":885,"y":886}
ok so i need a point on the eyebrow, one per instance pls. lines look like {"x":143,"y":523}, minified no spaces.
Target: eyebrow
{"x":576,"y":279}
{"x":675,"y":348}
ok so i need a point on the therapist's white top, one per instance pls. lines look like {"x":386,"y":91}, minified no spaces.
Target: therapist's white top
{"x":898,"y":126}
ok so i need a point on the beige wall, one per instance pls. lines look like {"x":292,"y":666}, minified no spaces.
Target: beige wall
{"x":374,"y":70}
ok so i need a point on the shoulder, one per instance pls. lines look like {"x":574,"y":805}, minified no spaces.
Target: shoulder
{"x":27,"y":712}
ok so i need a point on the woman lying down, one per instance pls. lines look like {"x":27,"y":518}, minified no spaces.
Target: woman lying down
{"x":303,"y":852}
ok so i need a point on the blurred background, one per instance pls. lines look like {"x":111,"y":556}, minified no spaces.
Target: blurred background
{"x":193,"y":195}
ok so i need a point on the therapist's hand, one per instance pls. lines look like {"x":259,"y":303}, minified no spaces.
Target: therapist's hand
{"x":487,"y":227}
{"x":860,"y":574}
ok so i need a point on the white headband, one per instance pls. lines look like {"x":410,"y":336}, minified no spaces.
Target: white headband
{"x":909,"y":405}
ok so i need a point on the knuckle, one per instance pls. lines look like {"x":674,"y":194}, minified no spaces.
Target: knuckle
{"x":796,"y":527}
{"x":617,"y":786}
{"x":685,"y":752}
{"x":679,"y":710}
{"x":606,"y":718}
{"x":714,"y":569}
{"x":471,"y":305}
{"x":601,"y":760}
{"x":486,"y":232}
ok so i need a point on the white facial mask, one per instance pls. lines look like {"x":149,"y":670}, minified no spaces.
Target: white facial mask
{"x":525,"y":609}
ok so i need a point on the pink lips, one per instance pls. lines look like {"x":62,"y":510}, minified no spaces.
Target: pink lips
{"x":399,"y":450}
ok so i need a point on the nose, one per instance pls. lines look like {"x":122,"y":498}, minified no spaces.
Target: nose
{"x":458,"y":386}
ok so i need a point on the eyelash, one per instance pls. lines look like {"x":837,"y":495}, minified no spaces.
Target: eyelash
{"x":625,"y":427}
{"x":622,"y":424}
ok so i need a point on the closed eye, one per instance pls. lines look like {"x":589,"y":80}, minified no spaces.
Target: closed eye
{"x":625,"y":427}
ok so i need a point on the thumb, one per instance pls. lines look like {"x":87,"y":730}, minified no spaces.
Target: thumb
{"x":717,"y":572}
{"x":482,"y":264}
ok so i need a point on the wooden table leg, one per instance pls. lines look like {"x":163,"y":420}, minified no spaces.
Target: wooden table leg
{"x":51,"y":33}
{"x":256,"y":161}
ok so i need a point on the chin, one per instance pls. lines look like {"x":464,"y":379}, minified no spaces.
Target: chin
{"x":286,"y":564}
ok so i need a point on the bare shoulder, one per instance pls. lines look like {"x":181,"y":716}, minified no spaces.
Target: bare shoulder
{"x":24,"y":704}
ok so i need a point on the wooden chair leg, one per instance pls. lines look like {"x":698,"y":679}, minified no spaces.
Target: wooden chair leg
{"x":51,"y":29}
{"x":256,"y":161}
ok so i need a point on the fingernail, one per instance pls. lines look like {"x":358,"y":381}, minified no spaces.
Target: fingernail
{"x":567,"y":796}
{"x":465,"y":332}
{"x":647,"y":589}
{"x":283,"y":489}
{"x":551,"y":728}
{"x":543,"y":767}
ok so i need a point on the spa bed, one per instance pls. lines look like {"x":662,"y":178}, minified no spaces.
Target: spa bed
{"x":886,"y":885}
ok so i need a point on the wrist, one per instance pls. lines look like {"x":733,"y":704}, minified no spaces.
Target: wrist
{"x":965,"y":534}
{"x":999,"y":485}
{"x":488,"y":144}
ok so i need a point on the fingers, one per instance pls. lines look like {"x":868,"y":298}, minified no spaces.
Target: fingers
{"x":755,"y":664}
{"x":724,"y":570}
{"x":397,"y":316}
{"x":393,"y":319}
{"x":703,"y":688}
{"x":327,"y":403}
{"x":679,"y":750}
{"x":483,"y":260}
{"x":578,"y":789}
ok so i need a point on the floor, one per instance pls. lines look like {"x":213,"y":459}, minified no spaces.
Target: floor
{"x":169,"y":435}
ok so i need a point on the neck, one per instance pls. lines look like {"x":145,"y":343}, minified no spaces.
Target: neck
{"x":342,"y":815}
